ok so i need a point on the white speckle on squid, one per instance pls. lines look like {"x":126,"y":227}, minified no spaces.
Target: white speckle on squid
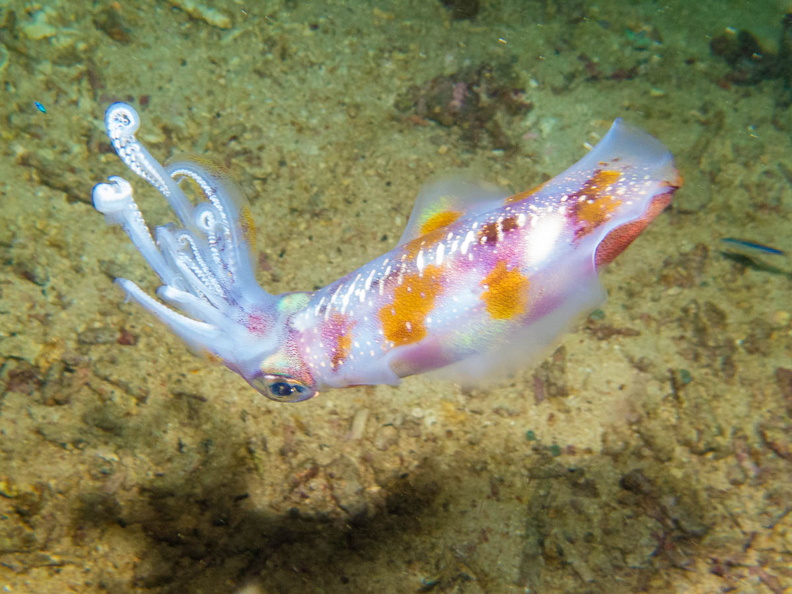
{"x":332,"y":301}
{"x":419,"y":262}
{"x":383,"y":278}
{"x":369,"y":279}
{"x":319,"y":305}
{"x":335,"y":294}
{"x":440,"y":253}
{"x":467,"y":242}
{"x":347,"y":296}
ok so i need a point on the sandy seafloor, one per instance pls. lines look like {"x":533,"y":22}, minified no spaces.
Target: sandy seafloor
{"x":652,"y":452}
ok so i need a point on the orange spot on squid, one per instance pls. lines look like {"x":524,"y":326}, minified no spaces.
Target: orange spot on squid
{"x":439,"y":220}
{"x":525,"y":194}
{"x":594,"y":205}
{"x":337,"y":331}
{"x":506,"y":292}
{"x":403,"y":320}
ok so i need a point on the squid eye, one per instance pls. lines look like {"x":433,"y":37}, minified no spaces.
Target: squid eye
{"x":282,"y":388}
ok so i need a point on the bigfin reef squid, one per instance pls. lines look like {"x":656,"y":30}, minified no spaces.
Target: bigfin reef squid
{"x":480,"y":282}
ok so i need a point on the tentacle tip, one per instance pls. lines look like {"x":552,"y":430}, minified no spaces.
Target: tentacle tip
{"x":112,"y":197}
{"x":121,"y":119}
